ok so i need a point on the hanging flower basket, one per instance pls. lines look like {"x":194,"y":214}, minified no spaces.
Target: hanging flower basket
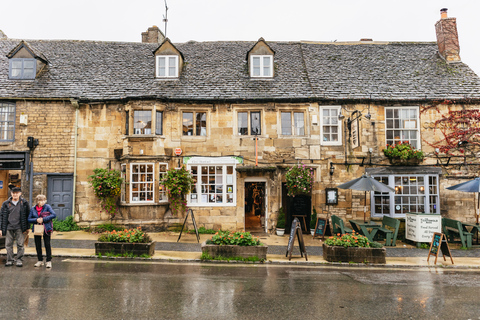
{"x":402,"y":153}
{"x":299,"y":180}
{"x":178,"y":183}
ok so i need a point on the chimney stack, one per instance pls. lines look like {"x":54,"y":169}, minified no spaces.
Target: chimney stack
{"x":447,"y":37}
{"x":153,"y":35}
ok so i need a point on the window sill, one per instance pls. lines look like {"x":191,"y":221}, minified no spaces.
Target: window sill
{"x":142,"y":204}
{"x":206,"y":205}
{"x":143,"y":137}
{"x":6,"y":143}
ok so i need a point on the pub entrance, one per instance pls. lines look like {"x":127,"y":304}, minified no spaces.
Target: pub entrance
{"x":255,"y":206}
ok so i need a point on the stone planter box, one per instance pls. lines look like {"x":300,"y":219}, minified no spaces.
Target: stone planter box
{"x":235,"y":251}
{"x":352,"y":254}
{"x":125,"y":247}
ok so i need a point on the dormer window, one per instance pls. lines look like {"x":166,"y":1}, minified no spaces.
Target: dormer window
{"x":261,"y":66}
{"x":22,"y":69}
{"x":260,"y":60}
{"x":167,"y":66}
{"x":25,"y":63}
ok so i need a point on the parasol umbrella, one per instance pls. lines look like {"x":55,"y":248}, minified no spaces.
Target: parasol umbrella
{"x":366,"y":183}
{"x":470,"y":186}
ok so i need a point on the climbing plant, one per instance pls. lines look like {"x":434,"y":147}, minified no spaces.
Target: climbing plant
{"x":106,"y":184}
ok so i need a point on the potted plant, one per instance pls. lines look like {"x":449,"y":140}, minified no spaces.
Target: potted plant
{"x":127,"y":241}
{"x":299,"y":180}
{"x":403,"y":153}
{"x":353,"y":248}
{"x":178,"y":183}
{"x":313,"y":221}
{"x":280,"y":230}
{"x":106,"y":184}
{"x":229,"y":244}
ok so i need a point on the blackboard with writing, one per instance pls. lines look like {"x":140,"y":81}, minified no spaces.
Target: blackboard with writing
{"x":320,"y":228}
{"x":296,"y":229}
{"x":190,"y":212}
{"x":439,"y":243}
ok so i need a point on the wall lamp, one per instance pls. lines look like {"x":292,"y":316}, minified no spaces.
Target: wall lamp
{"x":332,"y":168}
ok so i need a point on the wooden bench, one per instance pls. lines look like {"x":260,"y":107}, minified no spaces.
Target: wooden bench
{"x":451,"y":228}
{"x":338,"y":226}
{"x":390,"y":234}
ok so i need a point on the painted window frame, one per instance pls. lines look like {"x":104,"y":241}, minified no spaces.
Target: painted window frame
{"x":249,"y":121}
{"x":162,"y":191}
{"x":167,"y":66}
{"x":262,"y":66}
{"x":207,"y":182}
{"x":159,"y":122}
{"x":148,"y":116}
{"x":133,"y":183}
{"x":324,"y":123}
{"x":427,"y":195}
{"x":196,"y":130}
{"x":7,"y":121}
{"x":21,"y":75}
{"x":292,"y":122}
{"x":399,"y":125}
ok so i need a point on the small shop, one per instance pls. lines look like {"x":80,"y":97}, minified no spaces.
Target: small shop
{"x":12,"y":165}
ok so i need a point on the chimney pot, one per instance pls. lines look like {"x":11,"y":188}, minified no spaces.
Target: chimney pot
{"x":443,"y":13}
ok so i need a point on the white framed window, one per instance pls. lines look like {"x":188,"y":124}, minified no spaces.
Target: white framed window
{"x":142,"y":182}
{"x":292,"y":123}
{"x":249,"y":122}
{"x":402,"y":124}
{"x":215,"y":182}
{"x":123,"y":169}
{"x":167,"y":67}
{"x":142,"y":122}
{"x":413,"y":193}
{"x":7,"y":121}
{"x":23,"y":69}
{"x":261,"y":66}
{"x":194,"y":123}
{"x":330,"y":125}
{"x":162,"y":191}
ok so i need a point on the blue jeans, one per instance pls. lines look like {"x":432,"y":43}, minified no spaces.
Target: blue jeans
{"x":14,"y":235}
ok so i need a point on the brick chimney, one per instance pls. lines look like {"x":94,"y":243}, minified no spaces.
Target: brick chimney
{"x":153,"y":35}
{"x":447,"y":37}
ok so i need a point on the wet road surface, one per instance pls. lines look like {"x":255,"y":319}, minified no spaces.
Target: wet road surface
{"x":112,"y":289}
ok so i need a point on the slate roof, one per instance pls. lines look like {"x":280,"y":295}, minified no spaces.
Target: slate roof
{"x":218,"y":71}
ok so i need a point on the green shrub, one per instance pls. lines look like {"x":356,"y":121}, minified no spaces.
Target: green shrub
{"x":203,"y":230}
{"x":313,"y":220}
{"x":234,"y":238}
{"x":348,"y":240}
{"x":66,"y":225}
{"x":281,"y":219}
{"x":127,"y":235}
{"x":106,"y":227}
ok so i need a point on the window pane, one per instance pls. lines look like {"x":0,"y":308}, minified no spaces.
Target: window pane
{"x":187,"y":123}
{"x":142,"y":122}
{"x":299,"y":123}
{"x":286,"y":123}
{"x":161,"y":66}
{"x":242,"y":123}
{"x":7,"y":121}
{"x":266,"y":67}
{"x":201,"y":124}
{"x":172,"y":67}
{"x":256,"y":66}
{"x":255,"y":126}
{"x":159,"y":123}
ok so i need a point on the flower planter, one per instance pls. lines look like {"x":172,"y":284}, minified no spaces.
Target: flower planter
{"x":280,"y":231}
{"x":354,"y":254}
{"x":125,"y":247}
{"x":231,"y":251}
{"x":405,"y":162}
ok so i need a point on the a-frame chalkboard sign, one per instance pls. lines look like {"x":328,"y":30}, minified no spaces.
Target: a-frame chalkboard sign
{"x":190,"y":212}
{"x":320,"y":228}
{"x":439,"y":243}
{"x":296,"y":229}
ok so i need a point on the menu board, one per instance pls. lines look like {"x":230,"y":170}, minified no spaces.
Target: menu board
{"x":421,"y":227}
{"x":439,"y":243}
{"x":296,"y":229}
{"x":320,"y":228}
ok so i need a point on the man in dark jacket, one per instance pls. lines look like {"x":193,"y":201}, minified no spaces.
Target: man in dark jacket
{"x":13,"y":223}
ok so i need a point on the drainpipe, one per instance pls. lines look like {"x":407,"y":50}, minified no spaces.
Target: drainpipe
{"x":75,"y":104}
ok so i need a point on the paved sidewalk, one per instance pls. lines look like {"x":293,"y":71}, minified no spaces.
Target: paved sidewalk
{"x":81,"y":244}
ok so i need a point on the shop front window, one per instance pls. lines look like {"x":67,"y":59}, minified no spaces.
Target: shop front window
{"x":214,"y":185}
{"x":413,"y":193}
{"x":162,"y":191}
{"x":141,"y":182}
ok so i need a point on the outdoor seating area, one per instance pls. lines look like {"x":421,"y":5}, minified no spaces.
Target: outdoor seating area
{"x":454,"y":228}
{"x":338,"y":226}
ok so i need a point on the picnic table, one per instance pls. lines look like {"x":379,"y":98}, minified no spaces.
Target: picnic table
{"x":363,"y":228}
{"x":474,"y":227}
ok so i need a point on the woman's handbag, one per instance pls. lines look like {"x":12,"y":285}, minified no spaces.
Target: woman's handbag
{"x":38,"y":229}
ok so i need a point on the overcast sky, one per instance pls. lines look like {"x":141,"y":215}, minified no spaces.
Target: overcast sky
{"x":214,"y":20}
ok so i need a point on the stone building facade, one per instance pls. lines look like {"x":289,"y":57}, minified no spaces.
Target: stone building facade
{"x":241,"y":114}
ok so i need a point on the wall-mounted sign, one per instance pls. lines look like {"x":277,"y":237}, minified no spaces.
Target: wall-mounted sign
{"x":355,"y":134}
{"x":178,"y":151}
{"x":331,"y":195}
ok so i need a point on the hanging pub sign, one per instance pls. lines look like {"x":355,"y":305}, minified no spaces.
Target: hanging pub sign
{"x":355,"y":134}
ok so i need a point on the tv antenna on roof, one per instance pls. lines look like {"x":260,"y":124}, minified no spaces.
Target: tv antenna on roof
{"x":165,"y":18}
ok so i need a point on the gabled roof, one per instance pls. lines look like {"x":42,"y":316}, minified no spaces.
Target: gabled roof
{"x":218,"y":72}
{"x":260,"y":42}
{"x":165,"y":42}
{"x":24,"y":44}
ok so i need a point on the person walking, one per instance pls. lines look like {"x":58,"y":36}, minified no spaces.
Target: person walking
{"x":42,"y":213}
{"x":13,"y":223}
